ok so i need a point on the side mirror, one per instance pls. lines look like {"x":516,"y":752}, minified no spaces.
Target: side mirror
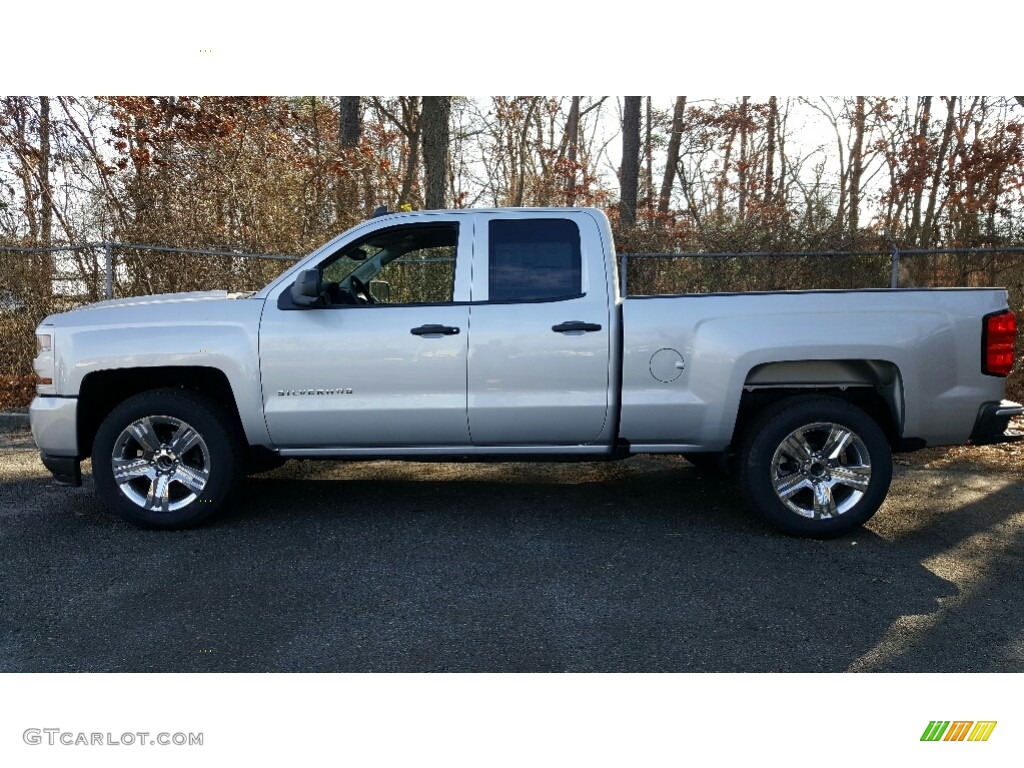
{"x":380,"y":290}
{"x":306,"y":288}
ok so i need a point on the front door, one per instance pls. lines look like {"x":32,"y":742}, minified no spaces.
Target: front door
{"x":382,"y":363}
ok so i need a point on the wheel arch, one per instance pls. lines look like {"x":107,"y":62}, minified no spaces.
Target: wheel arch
{"x":874,"y":386}
{"x":102,"y":390}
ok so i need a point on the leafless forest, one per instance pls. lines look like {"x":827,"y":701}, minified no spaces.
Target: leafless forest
{"x":687,"y":175}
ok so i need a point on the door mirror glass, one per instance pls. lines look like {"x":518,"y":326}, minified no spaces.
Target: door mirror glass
{"x":306,"y":288}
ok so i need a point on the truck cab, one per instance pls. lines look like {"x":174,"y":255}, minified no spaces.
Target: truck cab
{"x":446,"y":331}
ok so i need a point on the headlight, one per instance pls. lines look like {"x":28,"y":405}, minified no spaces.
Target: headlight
{"x":44,"y":364}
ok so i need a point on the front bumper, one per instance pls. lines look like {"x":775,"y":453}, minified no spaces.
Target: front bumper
{"x":993,"y":421}
{"x":54,"y":422}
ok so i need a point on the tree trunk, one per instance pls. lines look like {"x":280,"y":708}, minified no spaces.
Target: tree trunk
{"x":928,"y":232}
{"x":780,"y":136}
{"x":410,"y":126}
{"x":723,"y":179}
{"x":522,"y":152}
{"x":920,"y":153}
{"x":313,"y":217}
{"x":572,"y":130}
{"x":769,"y":158}
{"x":649,"y":158}
{"x":350,"y":133}
{"x":856,"y":166}
{"x":45,"y":262}
{"x":350,"y":122}
{"x":629,"y":172}
{"x":970,"y":204}
{"x":434,"y":134}
{"x":744,"y":108}
{"x":21,"y":149}
{"x":674,"y":140}
{"x":45,"y":189}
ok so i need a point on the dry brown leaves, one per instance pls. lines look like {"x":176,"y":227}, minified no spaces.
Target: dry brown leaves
{"x":1005,"y":457}
{"x":16,"y":392}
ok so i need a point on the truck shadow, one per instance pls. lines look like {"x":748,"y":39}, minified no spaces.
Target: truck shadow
{"x":967,"y":527}
{"x":645,"y":565}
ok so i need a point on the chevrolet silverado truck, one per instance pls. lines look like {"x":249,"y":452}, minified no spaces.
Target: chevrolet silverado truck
{"x":502,"y":334}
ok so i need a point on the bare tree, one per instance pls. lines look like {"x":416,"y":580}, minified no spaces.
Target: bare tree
{"x":918,"y":170}
{"x":350,"y":122}
{"x":672,"y":160}
{"x":350,"y":133}
{"x":929,"y":227}
{"x":434,"y":133}
{"x":572,"y":132}
{"x":856,"y":165}
{"x":409,"y":125}
{"x":780,"y":134}
{"x":629,"y":172}
{"x":649,"y":161}
{"x":769,"y":153}
{"x":744,"y":158}
{"x":45,"y":187}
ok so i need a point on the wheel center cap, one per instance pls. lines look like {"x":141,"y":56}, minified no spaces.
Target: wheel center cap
{"x":165,"y":461}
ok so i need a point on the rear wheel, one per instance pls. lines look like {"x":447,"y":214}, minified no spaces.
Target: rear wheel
{"x":816,"y":467}
{"x":166,"y":459}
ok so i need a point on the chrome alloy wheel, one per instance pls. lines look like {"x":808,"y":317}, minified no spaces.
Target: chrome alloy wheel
{"x":821,"y":470}
{"x":160,"y":463}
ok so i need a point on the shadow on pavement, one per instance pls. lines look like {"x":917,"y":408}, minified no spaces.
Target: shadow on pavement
{"x":643,"y":565}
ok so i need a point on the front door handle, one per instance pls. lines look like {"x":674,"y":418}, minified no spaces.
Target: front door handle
{"x":434,"y":330}
{"x":575,"y":325}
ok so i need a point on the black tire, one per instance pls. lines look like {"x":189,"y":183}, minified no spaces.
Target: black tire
{"x":815,"y":466}
{"x":179,"y":460}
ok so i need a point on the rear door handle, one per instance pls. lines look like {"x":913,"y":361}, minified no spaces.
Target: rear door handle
{"x":435,"y":330}
{"x":575,"y":325}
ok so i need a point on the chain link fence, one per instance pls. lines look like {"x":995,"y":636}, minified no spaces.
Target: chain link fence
{"x":674,"y":273}
{"x":35,"y":282}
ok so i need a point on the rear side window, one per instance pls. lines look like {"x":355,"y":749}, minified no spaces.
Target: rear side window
{"x":534,"y":260}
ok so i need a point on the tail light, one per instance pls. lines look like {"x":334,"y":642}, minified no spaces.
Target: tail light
{"x":998,"y":338}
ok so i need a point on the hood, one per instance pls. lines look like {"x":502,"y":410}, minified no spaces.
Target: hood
{"x":168,"y":298}
{"x":164,"y":307}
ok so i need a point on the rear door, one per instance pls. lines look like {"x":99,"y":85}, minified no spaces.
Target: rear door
{"x":539,"y":345}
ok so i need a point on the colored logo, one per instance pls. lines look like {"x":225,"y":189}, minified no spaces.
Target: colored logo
{"x":958,"y":730}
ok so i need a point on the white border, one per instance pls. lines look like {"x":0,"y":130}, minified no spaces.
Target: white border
{"x":540,"y":721}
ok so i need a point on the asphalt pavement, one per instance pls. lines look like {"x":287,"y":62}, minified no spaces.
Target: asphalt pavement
{"x":645,"y":565}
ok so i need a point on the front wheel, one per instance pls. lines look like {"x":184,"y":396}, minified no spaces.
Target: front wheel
{"x":166,"y":459}
{"x":817,"y":467}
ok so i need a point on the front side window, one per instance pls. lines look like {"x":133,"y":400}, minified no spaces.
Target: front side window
{"x":534,"y":260}
{"x":402,"y":265}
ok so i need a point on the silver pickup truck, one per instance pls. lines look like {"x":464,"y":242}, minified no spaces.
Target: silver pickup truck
{"x":502,"y":333}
